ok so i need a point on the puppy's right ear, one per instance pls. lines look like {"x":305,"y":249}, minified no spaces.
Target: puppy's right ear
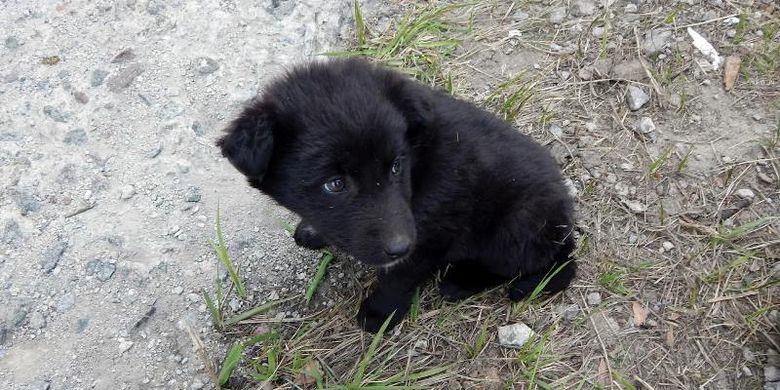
{"x":249,"y":142}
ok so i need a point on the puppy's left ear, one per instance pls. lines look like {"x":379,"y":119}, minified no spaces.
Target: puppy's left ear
{"x":414,"y":100}
{"x":249,"y":142}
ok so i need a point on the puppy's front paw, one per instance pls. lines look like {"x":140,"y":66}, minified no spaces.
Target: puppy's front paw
{"x":374,"y":311}
{"x":307,"y":237}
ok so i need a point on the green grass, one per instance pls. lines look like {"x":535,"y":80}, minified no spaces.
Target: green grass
{"x":480,"y":341}
{"x":416,"y":45}
{"x":230,"y":363}
{"x":222,"y":255}
{"x":327,"y":257}
{"x":511,"y":96}
{"x":614,"y":281}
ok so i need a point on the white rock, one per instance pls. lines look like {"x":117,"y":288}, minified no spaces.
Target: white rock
{"x":594,"y":298}
{"x":667,"y":246}
{"x":646,"y":127}
{"x":557,"y":15}
{"x":636,"y":97}
{"x":127,"y":192}
{"x":514,"y":335}
{"x":635,"y":206}
{"x":745,"y":193}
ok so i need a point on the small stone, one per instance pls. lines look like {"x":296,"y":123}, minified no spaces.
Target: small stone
{"x":124,"y":345}
{"x":585,"y":73}
{"x":19,"y":316}
{"x":636,"y":97}
{"x":514,"y":335}
{"x":125,"y":55}
{"x":675,"y":100}
{"x":757,"y":117}
{"x":81,"y":325}
{"x":77,"y":136}
{"x":594,"y":298}
{"x":745,"y":193}
{"x":196,"y":385}
{"x":66,"y":302}
{"x":11,"y":43}
{"x":667,"y":246}
{"x":153,"y":151}
{"x":635,"y":206}
{"x":100,"y":269}
{"x":27,"y":202}
{"x":127,"y":192}
{"x":629,"y":70}
{"x":598,"y":31}
{"x":3,"y":333}
{"x":52,"y":256}
{"x":656,"y":40}
{"x":556,"y":131}
{"x":731,"y":33}
{"x":192,"y":194}
{"x":765,"y":178}
{"x":123,"y":78}
{"x":631,"y":8}
{"x":81,"y":97}
{"x":55,"y":114}
{"x":98,"y":75}
{"x":583,"y":8}
{"x":645,"y":127}
{"x":11,"y":232}
{"x":37,"y":321}
{"x":178,"y":290}
{"x":154,"y":7}
{"x":749,"y":355}
{"x":206,"y":65}
{"x":557,"y":15}
{"x":50,"y":60}
{"x":198,"y":128}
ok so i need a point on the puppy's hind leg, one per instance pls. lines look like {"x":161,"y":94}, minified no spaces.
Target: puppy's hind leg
{"x":520,"y":288}
{"x":308,"y":237}
{"x":464,"y":279}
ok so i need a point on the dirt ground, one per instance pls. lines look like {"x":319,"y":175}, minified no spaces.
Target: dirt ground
{"x":111,"y":183}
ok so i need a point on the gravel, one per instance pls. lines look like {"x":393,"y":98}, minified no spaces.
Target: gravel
{"x":206,"y":65}
{"x":124,"y":77}
{"x":583,"y":8}
{"x":656,"y":40}
{"x":52,"y":256}
{"x":645,"y":127}
{"x":100,"y":269}
{"x":77,"y":136}
{"x":594,"y":298}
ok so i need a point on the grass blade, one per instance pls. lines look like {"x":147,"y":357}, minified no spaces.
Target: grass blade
{"x":229,"y":364}
{"x":255,"y":311}
{"x":221,"y":250}
{"x":361,"y":369}
{"x":327,"y":257}
{"x":216,"y":316}
{"x":360,"y":27}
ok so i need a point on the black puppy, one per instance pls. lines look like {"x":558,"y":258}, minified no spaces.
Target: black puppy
{"x":406,"y":179}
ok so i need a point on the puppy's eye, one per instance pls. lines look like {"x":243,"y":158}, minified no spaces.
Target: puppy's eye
{"x":396,"y":168}
{"x":335,"y":184}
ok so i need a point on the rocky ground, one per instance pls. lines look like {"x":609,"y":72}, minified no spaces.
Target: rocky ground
{"x":110,"y":187}
{"x":110,"y":180}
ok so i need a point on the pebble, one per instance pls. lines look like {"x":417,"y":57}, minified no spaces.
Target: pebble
{"x":19,"y":316}
{"x":66,"y":302}
{"x":153,"y":151}
{"x":629,"y":70}
{"x":556,"y":131}
{"x":27,"y":202}
{"x":646,"y":127}
{"x":636,"y":98}
{"x":656,"y":40}
{"x":631,"y":8}
{"x":635,"y":206}
{"x":569,"y":312}
{"x":585,"y":73}
{"x":3,"y":333}
{"x":77,"y":136}
{"x":557,"y":15}
{"x":11,"y":43}
{"x":55,"y":114}
{"x":206,"y":65}
{"x":196,"y":385}
{"x":667,"y":246}
{"x":98,"y":75}
{"x":125,"y":55}
{"x":745,"y":193}
{"x":81,"y":325}
{"x":37,"y":321}
{"x":765,"y":178}
{"x":757,"y":117}
{"x":124,"y":345}
{"x":127,"y":192}
{"x":52,"y":256}
{"x":178,"y":290}
{"x":582,"y":8}
{"x":192,"y":194}
{"x":197,"y":128}
{"x":514,"y":335}
{"x":101,"y":269}
{"x":81,"y":97}
{"x":123,"y":78}
{"x":11,"y":232}
{"x":594,"y":298}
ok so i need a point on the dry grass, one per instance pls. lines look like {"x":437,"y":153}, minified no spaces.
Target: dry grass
{"x":710,"y":301}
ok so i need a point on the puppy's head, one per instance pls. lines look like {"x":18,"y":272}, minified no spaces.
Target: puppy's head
{"x":334,"y":142}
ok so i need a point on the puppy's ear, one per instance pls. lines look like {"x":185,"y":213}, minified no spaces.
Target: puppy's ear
{"x":414,"y":100}
{"x":249,"y":142}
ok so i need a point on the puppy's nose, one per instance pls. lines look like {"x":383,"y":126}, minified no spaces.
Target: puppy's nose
{"x":398,"y":246}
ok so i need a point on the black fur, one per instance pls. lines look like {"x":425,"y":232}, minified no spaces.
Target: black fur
{"x":430,"y":183}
